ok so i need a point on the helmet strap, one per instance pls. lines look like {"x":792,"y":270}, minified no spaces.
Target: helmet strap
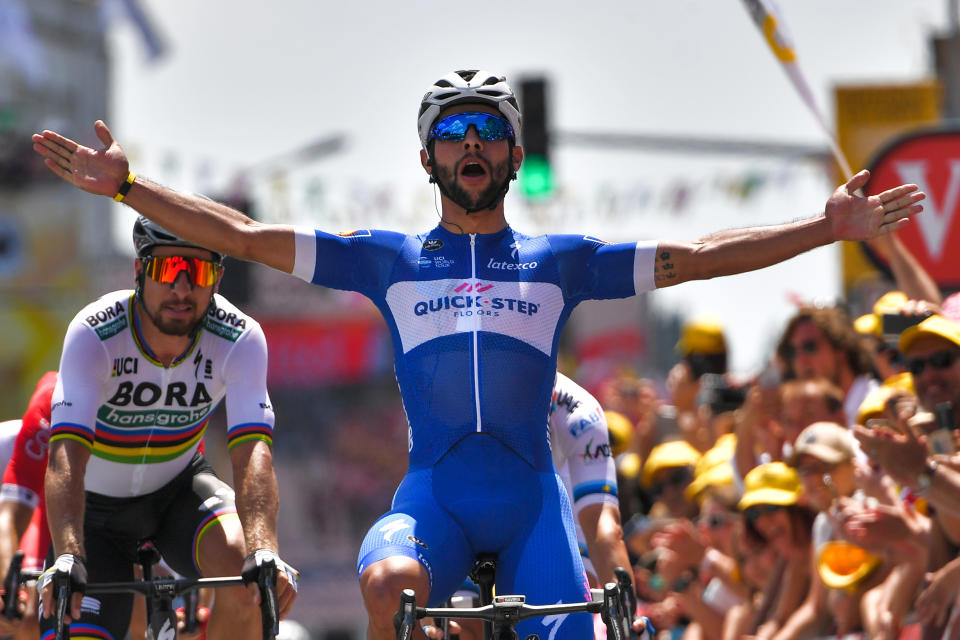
{"x":138,"y":293}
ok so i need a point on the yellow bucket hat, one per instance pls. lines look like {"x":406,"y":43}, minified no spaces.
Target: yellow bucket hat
{"x":620,"y":429}
{"x":932,"y":326}
{"x":676,"y":453}
{"x":702,"y":335}
{"x":771,"y":483}
{"x":713,"y":468}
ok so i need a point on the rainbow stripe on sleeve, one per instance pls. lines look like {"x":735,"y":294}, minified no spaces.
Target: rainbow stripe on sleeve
{"x":70,"y":431}
{"x":238,"y":434}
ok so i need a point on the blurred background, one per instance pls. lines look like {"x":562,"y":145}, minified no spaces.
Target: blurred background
{"x":658,"y":120}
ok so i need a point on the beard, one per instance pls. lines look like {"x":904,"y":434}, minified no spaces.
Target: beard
{"x":471,"y":201}
{"x":173,"y":326}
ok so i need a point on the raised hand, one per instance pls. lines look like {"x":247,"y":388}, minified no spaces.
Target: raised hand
{"x":934,"y":602}
{"x":902,"y":455}
{"x":857,"y":217}
{"x":97,"y":171}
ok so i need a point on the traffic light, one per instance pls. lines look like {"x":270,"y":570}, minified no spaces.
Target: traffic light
{"x":536,"y":176}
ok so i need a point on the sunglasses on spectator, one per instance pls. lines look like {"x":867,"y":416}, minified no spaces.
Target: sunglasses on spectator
{"x":676,"y":478}
{"x":166,"y":270}
{"x":808,"y":347}
{"x":754,"y":513}
{"x":939,"y":360}
{"x":489,"y":127}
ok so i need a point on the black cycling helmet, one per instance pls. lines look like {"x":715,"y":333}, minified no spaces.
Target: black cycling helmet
{"x":147,"y":234}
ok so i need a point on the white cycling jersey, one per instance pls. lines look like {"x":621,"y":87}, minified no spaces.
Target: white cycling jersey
{"x":581,"y":450}
{"x":143,"y":422}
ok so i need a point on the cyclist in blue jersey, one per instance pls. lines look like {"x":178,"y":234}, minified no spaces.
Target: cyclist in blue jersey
{"x":475,"y":309}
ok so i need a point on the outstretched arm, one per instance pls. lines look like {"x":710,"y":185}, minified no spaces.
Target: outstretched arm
{"x":847,"y":216}
{"x":207,"y":223}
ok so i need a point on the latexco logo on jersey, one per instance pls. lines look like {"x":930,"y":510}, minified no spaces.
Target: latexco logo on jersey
{"x":503,"y":265}
{"x":472,"y":298}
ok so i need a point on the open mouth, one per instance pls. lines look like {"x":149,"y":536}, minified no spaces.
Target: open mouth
{"x":473,"y":170}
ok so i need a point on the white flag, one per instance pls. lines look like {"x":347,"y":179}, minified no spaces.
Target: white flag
{"x":766,"y":15}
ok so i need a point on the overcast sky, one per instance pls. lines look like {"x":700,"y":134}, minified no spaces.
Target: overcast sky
{"x":244,"y":81}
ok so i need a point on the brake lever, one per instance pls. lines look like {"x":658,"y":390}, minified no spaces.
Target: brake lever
{"x":269,"y":611}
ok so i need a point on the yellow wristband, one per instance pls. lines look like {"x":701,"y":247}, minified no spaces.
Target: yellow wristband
{"x":125,"y":187}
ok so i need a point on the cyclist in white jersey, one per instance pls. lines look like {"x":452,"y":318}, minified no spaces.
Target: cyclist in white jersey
{"x":141,"y":373}
{"x":475,"y":309}
{"x":581,"y":452}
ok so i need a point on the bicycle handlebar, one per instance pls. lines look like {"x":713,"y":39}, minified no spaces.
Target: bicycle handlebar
{"x":506,"y":611}
{"x":162,"y":588}
{"x":489,"y":612}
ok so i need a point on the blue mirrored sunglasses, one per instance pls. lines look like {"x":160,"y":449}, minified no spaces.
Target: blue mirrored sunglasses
{"x":489,"y":127}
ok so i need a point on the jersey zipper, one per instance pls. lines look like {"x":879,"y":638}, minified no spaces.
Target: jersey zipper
{"x":476,"y":351}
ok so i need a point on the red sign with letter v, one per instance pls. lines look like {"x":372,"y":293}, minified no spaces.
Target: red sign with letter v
{"x":931,"y":160}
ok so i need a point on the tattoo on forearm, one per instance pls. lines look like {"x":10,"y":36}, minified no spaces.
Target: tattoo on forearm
{"x":663,"y":268}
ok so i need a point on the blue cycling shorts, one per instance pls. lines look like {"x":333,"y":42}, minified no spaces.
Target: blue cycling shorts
{"x":482,"y":498}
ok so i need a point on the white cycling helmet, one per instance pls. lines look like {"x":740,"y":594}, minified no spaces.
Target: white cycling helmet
{"x":471,"y":86}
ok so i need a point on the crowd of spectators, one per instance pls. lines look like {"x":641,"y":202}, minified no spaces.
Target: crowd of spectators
{"x":819,"y":498}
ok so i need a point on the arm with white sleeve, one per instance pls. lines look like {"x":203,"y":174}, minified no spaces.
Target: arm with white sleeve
{"x":580,"y":439}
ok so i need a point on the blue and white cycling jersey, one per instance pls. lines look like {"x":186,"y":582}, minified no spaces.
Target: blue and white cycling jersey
{"x":475,"y":320}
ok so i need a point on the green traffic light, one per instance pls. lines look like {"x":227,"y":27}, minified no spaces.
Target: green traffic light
{"x":536,"y":178}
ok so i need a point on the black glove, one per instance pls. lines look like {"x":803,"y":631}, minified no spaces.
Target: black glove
{"x":254,"y":561}
{"x":68,"y":569}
